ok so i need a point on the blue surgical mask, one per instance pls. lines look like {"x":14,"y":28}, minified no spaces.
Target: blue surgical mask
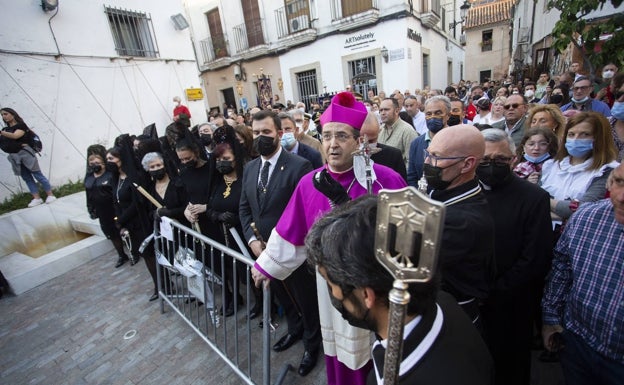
{"x":617,"y":111}
{"x":579,"y":148}
{"x":435,"y":124}
{"x":537,"y":160}
{"x":288,"y":140}
{"x":579,"y":101}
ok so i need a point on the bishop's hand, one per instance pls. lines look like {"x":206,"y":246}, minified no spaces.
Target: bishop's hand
{"x":329,"y":187}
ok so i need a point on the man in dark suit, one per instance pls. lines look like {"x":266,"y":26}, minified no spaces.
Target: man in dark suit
{"x":291,"y":144}
{"x":388,"y":156}
{"x":268,"y":183}
{"x":523,"y":242}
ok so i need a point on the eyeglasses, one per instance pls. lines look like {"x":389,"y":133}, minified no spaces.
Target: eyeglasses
{"x":513,"y":105}
{"x":539,"y":144}
{"x":340,"y":136}
{"x":435,"y":158}
{"x":498,"y":161}
{"x":580,"y":88}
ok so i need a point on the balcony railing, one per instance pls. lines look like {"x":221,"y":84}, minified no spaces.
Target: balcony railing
{"x":247,"y":36}
{"x":345,"y":8}
{"x":292,"y":18}
{"x":213,"y":48}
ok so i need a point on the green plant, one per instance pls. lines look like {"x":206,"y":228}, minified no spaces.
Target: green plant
{"x":600,"y":41}
{"x":21,"y":200}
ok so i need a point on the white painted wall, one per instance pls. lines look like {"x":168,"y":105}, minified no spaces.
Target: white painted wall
{"x":87,"y":95}
{"x":405,"y":73}
{"x":328,"y":53}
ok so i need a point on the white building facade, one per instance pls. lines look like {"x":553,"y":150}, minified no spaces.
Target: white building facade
{"x":87,"y":71}
{"x":300,"y":50}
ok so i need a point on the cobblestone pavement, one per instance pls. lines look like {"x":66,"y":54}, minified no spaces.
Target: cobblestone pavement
{"x":71,"y":331}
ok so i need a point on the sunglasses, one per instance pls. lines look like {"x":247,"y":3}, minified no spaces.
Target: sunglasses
{"x":513,"y":105}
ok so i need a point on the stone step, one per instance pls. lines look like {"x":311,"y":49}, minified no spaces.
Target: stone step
{"x":24,"y":273}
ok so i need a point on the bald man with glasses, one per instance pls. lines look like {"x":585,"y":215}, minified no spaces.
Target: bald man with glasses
{"x":466,"y":257}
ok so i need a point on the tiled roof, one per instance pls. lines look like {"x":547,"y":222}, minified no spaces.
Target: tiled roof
{"x":480,"y":15}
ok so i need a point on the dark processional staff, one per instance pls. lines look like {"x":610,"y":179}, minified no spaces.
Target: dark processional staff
{"x":407,"y":241}
{"x":407,"y":238}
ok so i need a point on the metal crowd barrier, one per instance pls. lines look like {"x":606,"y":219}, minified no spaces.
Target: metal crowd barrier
{"x":190,"y":280}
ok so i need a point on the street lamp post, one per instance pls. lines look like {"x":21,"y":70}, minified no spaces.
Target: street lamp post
{"x":463,"y":11}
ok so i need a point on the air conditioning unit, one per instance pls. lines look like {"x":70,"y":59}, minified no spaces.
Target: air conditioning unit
{"x":299,"y":23}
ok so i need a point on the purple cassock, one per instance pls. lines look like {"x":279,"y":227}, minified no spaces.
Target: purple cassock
{"x":347,"y":349}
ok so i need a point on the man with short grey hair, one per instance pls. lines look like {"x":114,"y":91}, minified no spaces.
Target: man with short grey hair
{"x":520,"y":208}
{"x":581,"y":100}
{"x":437,"y":113}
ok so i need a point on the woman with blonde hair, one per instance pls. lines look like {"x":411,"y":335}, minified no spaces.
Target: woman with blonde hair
{"x":546,"y":115}
{"x":498,"y":109}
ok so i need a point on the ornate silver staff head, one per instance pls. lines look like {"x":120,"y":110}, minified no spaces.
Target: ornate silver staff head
{"x":409,"y":228}
{"x":407,"y":239}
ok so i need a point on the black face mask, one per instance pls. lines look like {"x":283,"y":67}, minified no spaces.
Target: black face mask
{"x":556,"y":99}
{"x":206,"y":139}
{"x":362,"y":323}
{"x":158,"y":174}
{"x":224,"y":166}
{"x":188,"y":165}
{"x":453,"y":120}
{"x":96,"y":168}
{"x":265,"y":145}
{"x":112,"y":167}
{"x":494,"y":175}
{"x":433,"y":174}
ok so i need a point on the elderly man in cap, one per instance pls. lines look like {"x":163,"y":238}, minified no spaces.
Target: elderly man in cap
{"x":343,"y":178}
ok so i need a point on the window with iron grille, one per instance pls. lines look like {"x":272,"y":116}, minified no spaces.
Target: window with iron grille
{"x":133,"y":32}
{"x":363,"y":75}
{"x":308,"y":88}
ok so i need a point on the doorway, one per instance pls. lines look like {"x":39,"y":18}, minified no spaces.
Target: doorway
{"x":228,"y":97}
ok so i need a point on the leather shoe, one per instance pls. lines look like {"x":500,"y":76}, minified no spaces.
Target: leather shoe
{"x":308,"y":362}
{"x":121,"y":261}
{"x":154,"y":297}
{"x":286,"y":341}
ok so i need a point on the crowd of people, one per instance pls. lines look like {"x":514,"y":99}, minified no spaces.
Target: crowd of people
{"x":531,"y":250}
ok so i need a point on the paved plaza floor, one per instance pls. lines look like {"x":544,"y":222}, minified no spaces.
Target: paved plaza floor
{"x":74,"y":330}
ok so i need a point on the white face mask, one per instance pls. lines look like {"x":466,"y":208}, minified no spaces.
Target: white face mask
{"x":608,"y":74}
{"x":529,"y":93}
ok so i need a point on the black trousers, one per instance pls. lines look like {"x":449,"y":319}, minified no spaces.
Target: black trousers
{"x":298,"y":296}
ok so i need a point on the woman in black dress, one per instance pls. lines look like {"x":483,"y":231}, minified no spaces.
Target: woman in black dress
{"x":98,"y":184}
{"x":132,"y":212}
{"x":226,"y":187}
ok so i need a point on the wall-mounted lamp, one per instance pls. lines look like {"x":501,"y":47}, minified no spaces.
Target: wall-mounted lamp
{"x":463,"y":12}
{"x":280,"y":84}
{"x":239,"y":72}
{"x":239,"y":89}
{"x":179,"y":22}
{"x":49,"y":5}
{"x":384,"y":53}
